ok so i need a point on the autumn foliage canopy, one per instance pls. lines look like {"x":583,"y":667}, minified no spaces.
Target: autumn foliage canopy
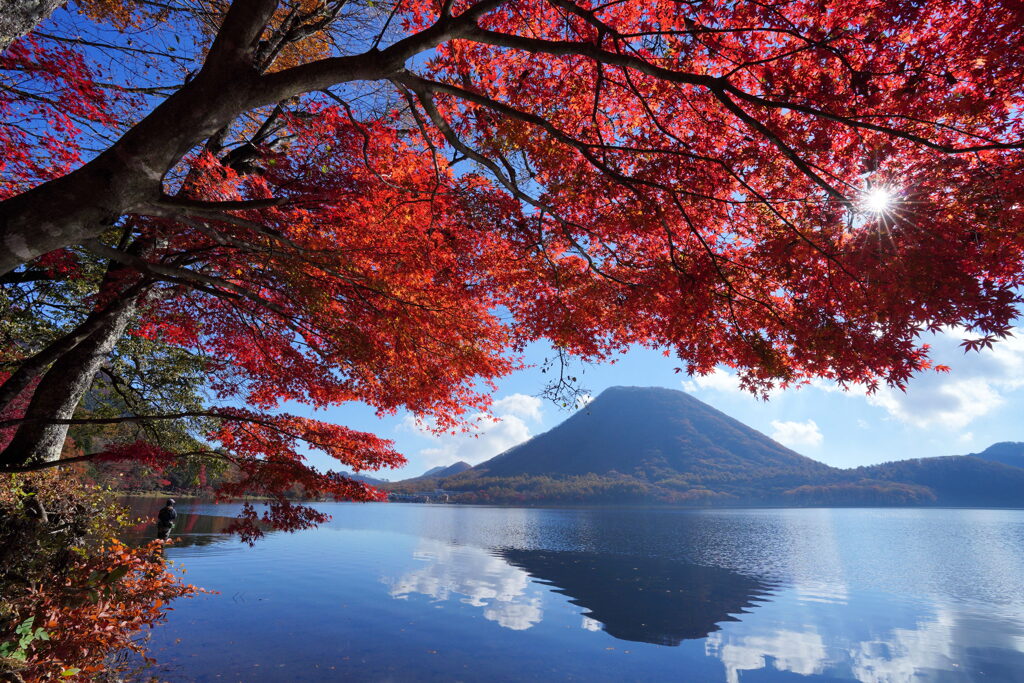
{"x":318,"y":202}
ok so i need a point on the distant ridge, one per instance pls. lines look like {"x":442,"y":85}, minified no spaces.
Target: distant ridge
{"x":372,"y":481}
{"x":957,"y":480}
{"x":443,"y":471}
{"x":1006,"y":452}
{"x":460,"y":466}
{"x":649,"y":445}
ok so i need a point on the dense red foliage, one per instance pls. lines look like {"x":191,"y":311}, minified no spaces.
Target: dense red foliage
{"x":55,"y":93}
{"x":793,"y":189}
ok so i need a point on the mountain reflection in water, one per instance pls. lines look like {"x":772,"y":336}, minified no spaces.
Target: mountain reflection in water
{"x":635,"y":598}
{"x":748,"y":624}
{"x":647,"y":600}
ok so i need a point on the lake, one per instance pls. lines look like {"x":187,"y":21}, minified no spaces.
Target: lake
{"x":393,"y":592}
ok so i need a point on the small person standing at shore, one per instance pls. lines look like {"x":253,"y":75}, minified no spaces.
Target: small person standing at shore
{"x":165,"y":520}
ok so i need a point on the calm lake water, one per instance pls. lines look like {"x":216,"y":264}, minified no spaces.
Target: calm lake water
{"x":392,"y":592}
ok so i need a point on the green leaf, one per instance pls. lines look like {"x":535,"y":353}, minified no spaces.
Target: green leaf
{"x":25,"y":627}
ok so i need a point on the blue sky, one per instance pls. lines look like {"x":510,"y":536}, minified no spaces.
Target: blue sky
{"x":966,"y":410}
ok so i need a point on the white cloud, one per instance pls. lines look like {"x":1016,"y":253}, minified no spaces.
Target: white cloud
{"x":808,"y":642}
{"x":718,"y":380}
{"x":492,"y":434}
{"x":796,"y":434}
{"x":515,"y":616}
{"x":801,"y":652}
{"x":833,"y":388}
{"x":863,"y":424}
{"x":935,"y":646}
{"x":724,"y":382}
{"x":519,"y":405}
{"x":424,"y":428}
{"x":583,"y":400}
{"x":473,"y":577}
{"x":976,"y":385}
{"x":488,"y":439}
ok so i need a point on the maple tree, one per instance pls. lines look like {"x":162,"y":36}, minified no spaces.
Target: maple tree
{"x":321,"y":202}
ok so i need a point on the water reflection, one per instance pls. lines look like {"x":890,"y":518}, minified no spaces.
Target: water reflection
{"x":905,"y":642}
{"x":801,"y":652}
{"x":647,"y":600}
{"x":195,"y":526}
{"x":475,"y":578}
{"x":808,"y":627}
{"x":639,"y":599}
{"x":736,"y":596}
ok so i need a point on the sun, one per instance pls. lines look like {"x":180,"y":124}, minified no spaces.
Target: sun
{"x":878,"y":200}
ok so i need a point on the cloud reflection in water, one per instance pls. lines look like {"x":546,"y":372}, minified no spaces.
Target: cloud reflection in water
{"x":903,"y":642}
{"x":476,"y":578}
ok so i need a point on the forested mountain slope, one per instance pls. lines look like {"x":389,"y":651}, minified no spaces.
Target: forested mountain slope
{"x":1007,"y":452}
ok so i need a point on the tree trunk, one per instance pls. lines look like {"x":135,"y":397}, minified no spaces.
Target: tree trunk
{"x":128,"y":176}
{"x":33,"y":366}
{"x":18,"y":17}
{"x":61,"y":390}
{"x":125,"y":178}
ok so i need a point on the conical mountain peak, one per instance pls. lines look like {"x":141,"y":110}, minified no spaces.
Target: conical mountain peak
{"x":649,"y":430}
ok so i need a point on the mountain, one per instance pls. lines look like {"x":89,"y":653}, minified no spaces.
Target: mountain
{"x":458,"y":468}
{"x":441,"y":471}
{"x":651,"y":431}
{"x":1007,"y":452}
{"x":957,"y":480}
{"x":635,"y":445}
{"x":372,"y":481}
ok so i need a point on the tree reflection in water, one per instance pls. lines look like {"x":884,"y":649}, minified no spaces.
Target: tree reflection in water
{"x":193,"y":527}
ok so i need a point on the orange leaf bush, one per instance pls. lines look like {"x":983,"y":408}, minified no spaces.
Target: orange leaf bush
{"x":83,"y":594}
